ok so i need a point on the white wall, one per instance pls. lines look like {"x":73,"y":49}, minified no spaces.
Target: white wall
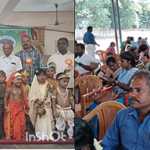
{"x":51,"y":38}
{"x":43,"y":19}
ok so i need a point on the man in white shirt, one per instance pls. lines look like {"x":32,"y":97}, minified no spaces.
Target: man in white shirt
{"x":9,"y":63}
{"x":85,"y":64}
{"x":63,"y":59}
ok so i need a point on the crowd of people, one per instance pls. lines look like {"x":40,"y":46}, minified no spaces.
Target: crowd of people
{"x":39,"y":99}
{"x":36,"y":98}
{"x":128,"y":73}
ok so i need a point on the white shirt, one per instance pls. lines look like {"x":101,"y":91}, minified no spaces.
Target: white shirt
{"x":10,"y":64}
{"x":86,"y":60}
{"x":60,"y":61}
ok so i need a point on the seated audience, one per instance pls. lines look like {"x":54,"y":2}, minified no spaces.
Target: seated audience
{"x":84,"y":64}
{"x":130,"y":129}
{"x":124,"y":76}
{"x":84,"y":138}
{"x":111,"y":48}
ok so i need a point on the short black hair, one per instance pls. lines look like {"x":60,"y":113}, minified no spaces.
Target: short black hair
{"x":129,"y":57}
{"x":81,"y":45}
{"x":112,"y":43}
{"x":83,"y":134}
{"x":143,"y":48}
{"x":140,"y":38}
{"x":65,"y":39}
{"x":89,"y":28}
{"x":132,"y":38}
{"x":40,"y":71}
{"x":2,"y":73}
{"x":110,"y":59}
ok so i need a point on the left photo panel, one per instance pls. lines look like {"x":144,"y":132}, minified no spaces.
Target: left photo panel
{"x":37,"y":73}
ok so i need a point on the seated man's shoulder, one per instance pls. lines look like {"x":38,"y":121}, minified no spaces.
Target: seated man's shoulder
{"x":124,"y":113}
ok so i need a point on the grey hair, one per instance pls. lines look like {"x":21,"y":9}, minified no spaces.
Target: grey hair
{"x":7,"y":41}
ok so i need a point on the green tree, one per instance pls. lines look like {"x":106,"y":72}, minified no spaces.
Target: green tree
{"x":127,"y":14}
{"x":98,"y":13}
{"x":144,"y":16}
{"x":93,"y":12}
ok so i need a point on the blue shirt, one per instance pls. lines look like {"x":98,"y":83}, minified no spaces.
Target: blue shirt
{"x":89,"y":38}
{"x":127,"y":132}
{"x":94,"y":123}
{"x":124,"y":76}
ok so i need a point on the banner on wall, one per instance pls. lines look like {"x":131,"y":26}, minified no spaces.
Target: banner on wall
{"x":13,"y":34}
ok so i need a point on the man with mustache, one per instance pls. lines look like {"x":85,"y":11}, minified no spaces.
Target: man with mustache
{"x":131,"y":127}
{"x":29,"y":56}
{"x":84,"y":63}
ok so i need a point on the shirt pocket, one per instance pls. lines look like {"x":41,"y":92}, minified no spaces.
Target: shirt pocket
{"x":128,"y":134}
{"x":13,"y":66}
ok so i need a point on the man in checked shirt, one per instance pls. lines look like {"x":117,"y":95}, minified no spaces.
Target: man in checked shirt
{"x":30,"y":57}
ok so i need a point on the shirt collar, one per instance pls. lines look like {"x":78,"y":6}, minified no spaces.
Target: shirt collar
{"x":29,"y":50}
{"x":133,"y":112}
{"x":4,"y":56}
{"x":68,"y":52}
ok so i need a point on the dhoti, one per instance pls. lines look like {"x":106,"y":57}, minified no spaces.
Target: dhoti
{"x":65,"y":113}
{"x":90,"y":50}
{"x":65,"y":120}
{"x":15,"y":120}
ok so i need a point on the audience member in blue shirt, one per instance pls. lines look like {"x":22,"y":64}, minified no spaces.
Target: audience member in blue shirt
{"x":131,"y":127}
{"x":124,"y":75}
{"x":94,"y":122}
{"x":89,"y":38}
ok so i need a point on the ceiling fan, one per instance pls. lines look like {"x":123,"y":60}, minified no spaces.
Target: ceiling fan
{"x":56,"y":23}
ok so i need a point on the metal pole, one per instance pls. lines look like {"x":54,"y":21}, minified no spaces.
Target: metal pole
{"x":115,"y":24}
{"x":119,"y":24}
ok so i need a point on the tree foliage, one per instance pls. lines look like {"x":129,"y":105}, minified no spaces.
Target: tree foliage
{"x":144,"y":16}
{"x":98,"y":13}
{"x":93,"y":12}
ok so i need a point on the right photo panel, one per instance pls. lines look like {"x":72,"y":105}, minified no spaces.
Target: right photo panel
{"x":112,"y":74}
